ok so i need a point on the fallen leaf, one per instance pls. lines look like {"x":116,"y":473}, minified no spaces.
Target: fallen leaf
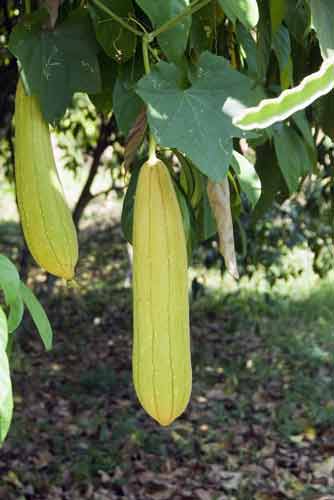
{"x":324,"y":469}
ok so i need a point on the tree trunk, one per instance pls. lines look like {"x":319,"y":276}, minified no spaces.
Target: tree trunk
{"x":85,"y":197}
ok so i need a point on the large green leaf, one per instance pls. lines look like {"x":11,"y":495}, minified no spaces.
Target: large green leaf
{"x":297,"y":18}
{"x":103,"y":101}
{"x":292,"y":155}
{"x":274,"y":187}
{"x":277,"y":13}
{"x":246,"y":11}
{"x":118,"y":42}
{"x":282,"y":48}
{"x":15,"y":314}
{"x":127,"y":104}
{"x":264,"y":40}
{"x":9,"y":280}
{"x":203,"y":28}
{"x":193,"y":118}
{"x":248,"y":47}
{"x":38,"y":315}
{"x":248,"y":178}
{"x":57,"y":63}
{"x":173,"y":41}
{"x":322,"y":21}
{"x":6,"y":395}
{"x":270,"y":111}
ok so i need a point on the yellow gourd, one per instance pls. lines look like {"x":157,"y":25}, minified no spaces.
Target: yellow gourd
{"x":46,"y":219}
{"x":161,"y":357}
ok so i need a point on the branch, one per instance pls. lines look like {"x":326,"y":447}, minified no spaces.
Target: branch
{"x":107,"y":191}
{"x":86,"y":196}
{"x":117,"y":18}
{"x":188,"y":11}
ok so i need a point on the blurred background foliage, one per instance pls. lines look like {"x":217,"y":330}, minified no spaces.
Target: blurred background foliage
{"x":90,"y":140}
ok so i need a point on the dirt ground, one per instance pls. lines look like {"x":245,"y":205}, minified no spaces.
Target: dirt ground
{"x":259,"y":425}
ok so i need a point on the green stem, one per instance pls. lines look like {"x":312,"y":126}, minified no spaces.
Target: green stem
{"x":117,"y":18}
{"x":27,"y":6}
{"x":175,"y":20}
{"x":152,"y":145}
{"x":165,"y":27}
{"x":146,"y":58}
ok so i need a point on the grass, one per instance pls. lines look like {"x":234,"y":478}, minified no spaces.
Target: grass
{"x":284,"y":339}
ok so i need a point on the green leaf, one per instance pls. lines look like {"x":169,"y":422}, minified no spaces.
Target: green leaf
{"x":15,"y":314}
{"x":9,"y":280}
{"x":58,"y":63}
{"x":248,"y":46}
{"x":203,"y":28}
{"x":277,"y":13}
{"x":191,"y":180}
{"x":270,"y":111}
{"x":248,"y":178}
{"x":187,"y":213}
{"x":103,"y":101}
{"x":324,"y":114}
{"x":298,"y":18}
{"x":264,"y":40}
{"x":38,"y":315}
{"x":118,"y":42}
{"x":273,"y":184}
{"x":292,"y":156}
{"x":127,"y":104}
{"x":206,"y":225}
{"x":322,"y":21}
{"x":188,"y":219}
{"x":6,"y":394}
{"x":304,"y":127}
{"x":128,"y":205}
{"x":282,"y":48}
{"x":190,"y":119}
{"x":173,"y":42}
{"x":246,"y":11}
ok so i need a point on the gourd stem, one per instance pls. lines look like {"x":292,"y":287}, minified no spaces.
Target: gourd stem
{"x":152,"y":149}
{"x":146,"y":58}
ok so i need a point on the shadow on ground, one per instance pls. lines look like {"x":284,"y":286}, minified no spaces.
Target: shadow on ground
{"x":259,"y":425}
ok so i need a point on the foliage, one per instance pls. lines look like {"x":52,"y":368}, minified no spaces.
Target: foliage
{"x":16,"y":296}
{"x":302,"y":224}
{"x":190,"y":80}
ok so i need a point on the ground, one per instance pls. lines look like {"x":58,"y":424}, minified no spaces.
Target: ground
{"x":260,"y":422}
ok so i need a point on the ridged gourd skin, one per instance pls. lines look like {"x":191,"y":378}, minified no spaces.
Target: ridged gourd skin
{"x":161,"y":358}
{"x":46,"y":219}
